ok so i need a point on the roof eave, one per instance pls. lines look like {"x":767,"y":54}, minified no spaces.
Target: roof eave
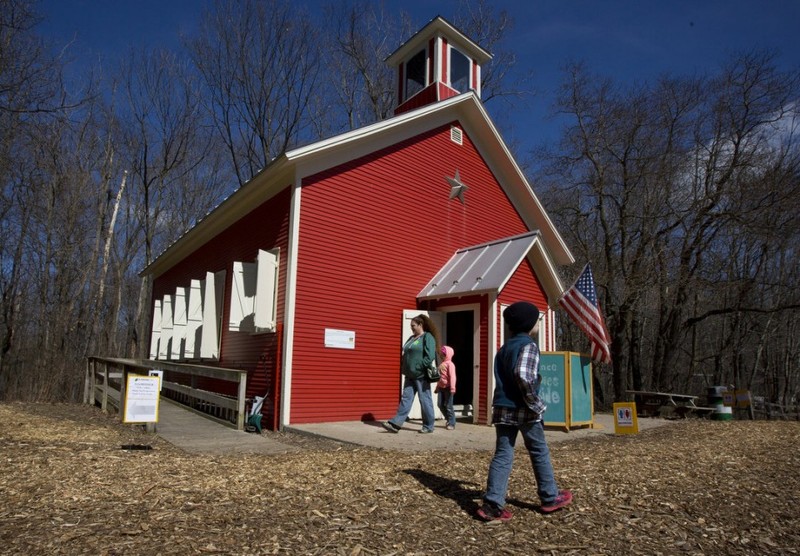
{"x":263,"y":186}
{"x":439,"y":26}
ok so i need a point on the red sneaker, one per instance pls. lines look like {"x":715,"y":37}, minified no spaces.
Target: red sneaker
{"x":490,"y":512}
{"x":563,"y":499}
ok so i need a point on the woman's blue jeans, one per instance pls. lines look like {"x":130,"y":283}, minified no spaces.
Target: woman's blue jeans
{"x":412,"y":387}
{"x":500,"y":468}
{"x":445,"y":403}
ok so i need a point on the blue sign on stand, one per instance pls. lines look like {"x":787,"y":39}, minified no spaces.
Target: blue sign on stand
{"x":566,"y":389}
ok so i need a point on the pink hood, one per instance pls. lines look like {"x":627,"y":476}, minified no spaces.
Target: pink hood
{"x":447,"y":351}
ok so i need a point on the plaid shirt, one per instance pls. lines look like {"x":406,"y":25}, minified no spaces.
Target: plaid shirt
{"x":528,"y":379}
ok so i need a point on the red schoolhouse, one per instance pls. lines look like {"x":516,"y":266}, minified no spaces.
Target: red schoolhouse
{"x":307,"y":276}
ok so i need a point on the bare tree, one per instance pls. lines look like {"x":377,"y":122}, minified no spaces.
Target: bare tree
{"x":360,"y":87}
{"x":669,"y":185}
{"x":260,"y":70}
{"x":32,"y":103}
{"x":174,"y":173}
{"x":488,"y":28}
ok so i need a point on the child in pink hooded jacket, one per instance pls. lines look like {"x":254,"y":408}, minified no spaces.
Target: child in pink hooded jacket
{"x":446,"y":387}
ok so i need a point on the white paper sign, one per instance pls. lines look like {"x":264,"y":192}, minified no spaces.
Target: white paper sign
{"x":141,"y":399}
{"x":342,"y":339}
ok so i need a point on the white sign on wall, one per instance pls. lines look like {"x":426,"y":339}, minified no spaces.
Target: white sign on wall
{"x":342,"y":339}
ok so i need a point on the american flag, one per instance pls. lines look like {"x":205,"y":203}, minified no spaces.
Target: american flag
{"x":580,"y":303}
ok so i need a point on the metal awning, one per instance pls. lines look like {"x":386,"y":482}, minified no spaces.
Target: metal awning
{"x":480,"y":269}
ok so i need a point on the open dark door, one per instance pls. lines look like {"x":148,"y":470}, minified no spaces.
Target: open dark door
{"x":460,"y":333}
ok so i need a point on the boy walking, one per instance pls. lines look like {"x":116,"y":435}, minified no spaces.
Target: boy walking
{"x":516,"y":407}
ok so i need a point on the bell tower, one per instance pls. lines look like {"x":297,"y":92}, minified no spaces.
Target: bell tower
{"x":437,"y":63}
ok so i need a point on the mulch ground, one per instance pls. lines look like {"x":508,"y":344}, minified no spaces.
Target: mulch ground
{"x":693,"y":487}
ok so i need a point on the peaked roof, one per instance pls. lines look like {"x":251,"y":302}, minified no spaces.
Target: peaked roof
{"x":291,"y":167}
{"x":486,"y":268}
{"x":438,"y":26}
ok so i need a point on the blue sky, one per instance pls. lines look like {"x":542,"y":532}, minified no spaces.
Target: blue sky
{"x":624,"y":39}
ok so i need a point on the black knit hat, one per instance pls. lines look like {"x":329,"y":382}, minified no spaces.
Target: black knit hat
{"x":521,"y":316}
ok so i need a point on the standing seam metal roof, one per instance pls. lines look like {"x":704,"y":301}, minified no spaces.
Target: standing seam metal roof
{"x":479,"y":269}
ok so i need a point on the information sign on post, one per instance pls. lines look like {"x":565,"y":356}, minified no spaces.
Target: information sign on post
{"x":141,"y":399}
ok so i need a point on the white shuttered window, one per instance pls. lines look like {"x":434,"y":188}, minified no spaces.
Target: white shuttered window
{"x":253,"y":294}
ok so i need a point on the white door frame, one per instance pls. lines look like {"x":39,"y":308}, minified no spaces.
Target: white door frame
{"x":475,"y":308}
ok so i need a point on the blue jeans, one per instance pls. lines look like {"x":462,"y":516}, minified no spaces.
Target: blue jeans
{"x":412,"y":387}
{"x":500,"y":468}
{"x":446,"y":406}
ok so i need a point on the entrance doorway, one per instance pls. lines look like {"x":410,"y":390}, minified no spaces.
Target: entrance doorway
{"x":460,"y":335}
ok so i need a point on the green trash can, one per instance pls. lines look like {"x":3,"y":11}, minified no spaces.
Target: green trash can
{"x":715,"y":400}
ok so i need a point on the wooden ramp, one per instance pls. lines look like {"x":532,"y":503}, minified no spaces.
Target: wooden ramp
{"x":194,"y":433}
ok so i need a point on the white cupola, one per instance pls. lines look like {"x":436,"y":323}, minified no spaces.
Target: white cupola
{"x":437,"y":63}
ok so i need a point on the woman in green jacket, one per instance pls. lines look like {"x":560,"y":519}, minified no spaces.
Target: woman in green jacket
{"x":418,"y":352}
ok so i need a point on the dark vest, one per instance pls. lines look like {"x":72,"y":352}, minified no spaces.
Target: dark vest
{"x":506,"y":391}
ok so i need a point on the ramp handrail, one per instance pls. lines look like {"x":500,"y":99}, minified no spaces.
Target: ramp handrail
{"x":106,"y":378}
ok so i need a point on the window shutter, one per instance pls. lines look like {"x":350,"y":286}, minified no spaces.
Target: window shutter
{"x":194,"y":319}
{"x":166,"y":328}
{"x":179,"y":324}
{"x":266,"y":290}
{"x":155,"y":331}
{"x":212,"y":302}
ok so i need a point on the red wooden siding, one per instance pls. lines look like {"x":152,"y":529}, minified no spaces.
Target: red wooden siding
{"x":446,"y":92}
{"x":424,"y":97}
{"x":372,"y":233}
{"x":266,"y":227}
{"x":523,"y":286}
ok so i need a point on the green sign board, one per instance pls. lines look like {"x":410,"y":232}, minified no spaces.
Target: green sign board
{"x":553,"y":388}
{"x":566,"y":388}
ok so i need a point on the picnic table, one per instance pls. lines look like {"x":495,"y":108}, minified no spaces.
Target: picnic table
{"x":653,"y":404}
